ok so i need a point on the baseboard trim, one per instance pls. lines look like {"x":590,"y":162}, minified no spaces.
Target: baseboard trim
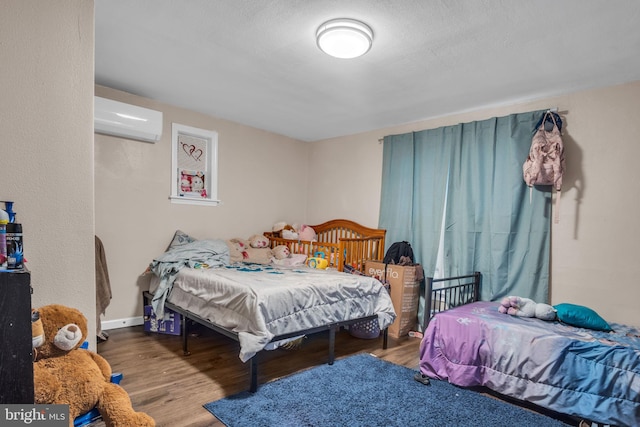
{"x":122,"y":323}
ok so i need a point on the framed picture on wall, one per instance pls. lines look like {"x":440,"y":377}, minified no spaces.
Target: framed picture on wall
{"x":194,"y":165}
{"x":192,"y":184}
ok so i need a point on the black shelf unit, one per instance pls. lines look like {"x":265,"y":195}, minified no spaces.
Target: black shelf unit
{"x":16,"y":352}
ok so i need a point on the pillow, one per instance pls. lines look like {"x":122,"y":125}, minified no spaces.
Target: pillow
{"x":180,"y":238}
{"x":582,"y":317}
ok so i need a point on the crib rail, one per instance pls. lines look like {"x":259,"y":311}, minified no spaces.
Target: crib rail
{"x":341,"y":241}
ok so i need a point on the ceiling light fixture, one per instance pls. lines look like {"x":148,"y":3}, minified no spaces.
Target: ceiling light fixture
{"x":344,"y":38}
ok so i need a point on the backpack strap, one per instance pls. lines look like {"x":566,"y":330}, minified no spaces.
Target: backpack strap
{"x":531,"y":194}
{"x":556,"y":213}
{"x":553,"y":118}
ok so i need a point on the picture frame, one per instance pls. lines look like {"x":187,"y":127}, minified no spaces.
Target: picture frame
{"x":194,"y":165}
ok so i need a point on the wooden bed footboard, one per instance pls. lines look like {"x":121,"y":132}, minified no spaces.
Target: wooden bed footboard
{"x":341,"y":241}
{"x":456,"y":291}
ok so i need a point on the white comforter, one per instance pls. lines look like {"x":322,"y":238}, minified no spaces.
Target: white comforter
{"x":260,"y":302}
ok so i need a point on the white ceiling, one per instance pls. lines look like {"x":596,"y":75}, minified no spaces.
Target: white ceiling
{"x":256,"y":61}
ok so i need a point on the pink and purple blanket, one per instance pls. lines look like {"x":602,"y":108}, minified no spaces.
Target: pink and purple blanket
{"x":590,"y":374}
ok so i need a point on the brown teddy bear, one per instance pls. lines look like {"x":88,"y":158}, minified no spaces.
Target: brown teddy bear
{"x":67,"y":374}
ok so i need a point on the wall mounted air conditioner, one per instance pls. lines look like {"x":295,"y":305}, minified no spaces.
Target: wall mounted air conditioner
{"x":126,"y":121}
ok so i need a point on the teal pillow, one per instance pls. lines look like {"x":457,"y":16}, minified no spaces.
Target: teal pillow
{"x":582,"y":317}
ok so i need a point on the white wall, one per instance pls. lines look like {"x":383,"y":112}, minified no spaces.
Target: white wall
{"x":47,"y":168}
{"x":265,"y":178}
{"x":594,"y":246}
{"x":46,"y":134}
{"x":262,"y":180}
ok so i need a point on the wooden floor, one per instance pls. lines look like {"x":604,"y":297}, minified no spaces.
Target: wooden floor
{"x":172,"y":388}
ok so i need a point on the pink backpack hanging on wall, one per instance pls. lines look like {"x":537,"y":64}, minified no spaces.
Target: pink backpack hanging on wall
{"x":545,"y":163}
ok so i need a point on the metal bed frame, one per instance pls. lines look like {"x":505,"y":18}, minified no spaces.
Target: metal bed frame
{"x":465,"y":291}
{"x":253,"y":362}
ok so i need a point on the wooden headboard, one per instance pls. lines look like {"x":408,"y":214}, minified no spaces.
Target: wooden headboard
{"x":342,"y":241}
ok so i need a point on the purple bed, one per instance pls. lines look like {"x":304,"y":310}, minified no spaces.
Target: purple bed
{"x":588,"y":374}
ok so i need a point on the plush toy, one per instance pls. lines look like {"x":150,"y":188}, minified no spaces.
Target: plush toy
{"x":66,"y":374}
{"x":185,"y":182}
{"x":259,"y":255}
{"x":289,"y":234}
{"x":284,"y":230}
{"x":258,"y":241}
{"x":283,"y":256}
{"x":526,"y":307}
{"x":281,"y":252}
{"x":197,"y":182}
{"x":37,"y":330}
{"x":237,"y":250}
{"x":307,"y":234}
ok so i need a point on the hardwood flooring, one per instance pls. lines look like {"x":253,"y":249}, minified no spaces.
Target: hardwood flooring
{"x":172,"y":388}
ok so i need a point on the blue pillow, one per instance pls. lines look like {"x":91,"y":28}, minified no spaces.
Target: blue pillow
{"x":582,"y":317}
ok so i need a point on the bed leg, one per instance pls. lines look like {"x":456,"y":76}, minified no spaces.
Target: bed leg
{"x":332,"y":344}
{"x":253,"y":374}
{"x":183,"y":328}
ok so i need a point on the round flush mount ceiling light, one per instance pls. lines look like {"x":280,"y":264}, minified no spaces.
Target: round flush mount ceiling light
{"x":344,"y":38}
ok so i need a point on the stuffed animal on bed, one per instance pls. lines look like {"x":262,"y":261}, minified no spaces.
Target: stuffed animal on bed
{"x":240,"y":250}
{"x":259,"y":255}
{"x":526,"y":307}
{"x":237,"y":250}
{"x":284,"y":230}
{"x":281,"y":252}
{"x":283,"y":256}
{"x":307,"y":234}
{"x":258,"y":241}
{"x":66,"y":374}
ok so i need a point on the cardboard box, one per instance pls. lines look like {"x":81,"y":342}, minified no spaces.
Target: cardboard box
{"x":405,"y":294}
{"x":169,"y":324}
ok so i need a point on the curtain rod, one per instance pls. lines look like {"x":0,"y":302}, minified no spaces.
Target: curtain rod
{"x":550,"y":110}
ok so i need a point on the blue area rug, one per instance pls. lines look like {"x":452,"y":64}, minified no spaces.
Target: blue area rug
{"x":363,"y":390}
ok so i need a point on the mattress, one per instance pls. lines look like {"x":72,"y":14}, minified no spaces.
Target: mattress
{"x":260,"y":302}
{"x":585,"y":373}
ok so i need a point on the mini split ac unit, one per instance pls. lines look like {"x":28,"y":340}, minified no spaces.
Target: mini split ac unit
{"x":126,"y":121}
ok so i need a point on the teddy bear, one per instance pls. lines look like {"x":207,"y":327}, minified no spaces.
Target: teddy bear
{"x":526,"y":307}
{"x":281,"y":252}
{"x":258,"y":241}
{"x":185,"y":182}
{"x":284,"y":230}
{"x":237,"y":250}
{"x":307,"y":234}
{"x":197,"y":182}
{"x":282,"y":256}
{"x":66,"y":374}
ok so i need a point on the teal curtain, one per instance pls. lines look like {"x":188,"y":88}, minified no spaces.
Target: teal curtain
{"x":414,"y":177}
{"x":493,"y":223}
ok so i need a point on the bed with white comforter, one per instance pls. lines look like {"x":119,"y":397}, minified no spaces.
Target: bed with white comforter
{"x":260,"y":302}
